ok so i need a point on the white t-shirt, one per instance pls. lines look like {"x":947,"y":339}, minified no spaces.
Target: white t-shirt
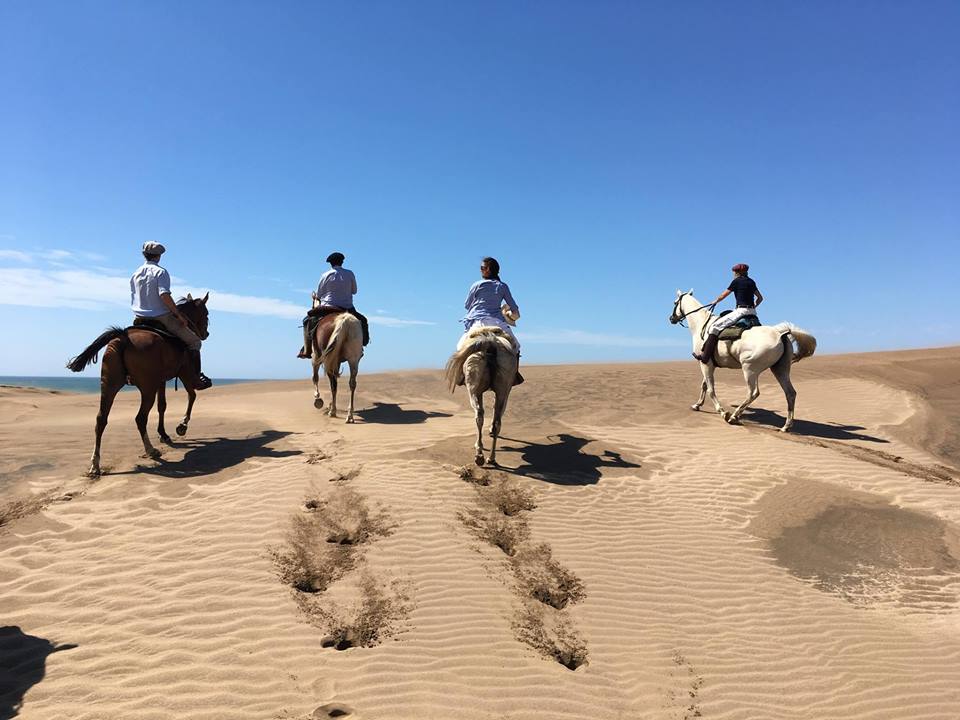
{"x":147,"y":284}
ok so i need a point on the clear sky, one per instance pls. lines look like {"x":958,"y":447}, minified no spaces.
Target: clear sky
{"x":607,"y":153}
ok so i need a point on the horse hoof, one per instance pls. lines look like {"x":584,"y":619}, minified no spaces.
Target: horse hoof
{"x":166,"y":439}
{"x":479,"y":460}
{"x":318,"y":403}
{"x":93,"y":472}
{"x":153,"y":454}
{"x":785,"y":428}
{"x":350,"y":420}
{"x":695,"y":408}
{"x":182,"y":429}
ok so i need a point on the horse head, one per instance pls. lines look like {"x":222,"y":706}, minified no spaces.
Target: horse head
{"x":678,"y":313}
{"x":195,"y":310}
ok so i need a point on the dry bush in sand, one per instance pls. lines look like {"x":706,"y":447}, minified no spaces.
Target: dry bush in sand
{"x":507,"y":497}
{"x":491,"y":526}
{"x":542,"y":578}
{"x":551,"y":633}
{"x":320,"y":544}
{"x":375,"y":615}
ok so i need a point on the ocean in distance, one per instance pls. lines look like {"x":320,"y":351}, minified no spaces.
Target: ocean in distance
{"x":89,"y":384}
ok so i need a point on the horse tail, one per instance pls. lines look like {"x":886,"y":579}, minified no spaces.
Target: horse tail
{"x":805,"y":342}
{"x":342,"y":332}
{"x":90,"y":354}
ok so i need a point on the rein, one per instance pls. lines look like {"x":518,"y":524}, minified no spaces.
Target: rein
{"x":681,"y":318}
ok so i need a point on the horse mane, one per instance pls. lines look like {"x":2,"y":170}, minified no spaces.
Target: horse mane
{"x":486,"y":339}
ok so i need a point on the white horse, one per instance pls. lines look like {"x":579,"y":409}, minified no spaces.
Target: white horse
{"x":337,"y":339}
{"x":759,"y":348}
{"x":486,"y":359}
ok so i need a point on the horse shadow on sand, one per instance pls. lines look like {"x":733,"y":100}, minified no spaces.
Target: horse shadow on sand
{"x":394,"y":414}
{"x":811,"y":428}
{"x":563,"y":461}
{"x":23,"y":664}
{"x":209,"y":456}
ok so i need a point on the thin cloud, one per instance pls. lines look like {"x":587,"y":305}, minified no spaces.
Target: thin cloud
{"x":582,"y":337}
{"x":17,"y":255}
{"x":89,"y":290}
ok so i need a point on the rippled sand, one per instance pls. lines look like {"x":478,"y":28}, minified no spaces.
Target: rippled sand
{"x":630,"y":559}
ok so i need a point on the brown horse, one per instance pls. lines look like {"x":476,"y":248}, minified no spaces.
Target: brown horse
{"x":337,"y":339}
{"x":148,"y":360}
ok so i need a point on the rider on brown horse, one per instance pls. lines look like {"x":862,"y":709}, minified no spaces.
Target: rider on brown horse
{"x":334,"y":295}
{"x":150,"y":299}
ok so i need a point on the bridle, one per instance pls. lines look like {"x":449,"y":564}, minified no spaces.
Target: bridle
{"x":678,"y":319}
{"x":192,"y":324}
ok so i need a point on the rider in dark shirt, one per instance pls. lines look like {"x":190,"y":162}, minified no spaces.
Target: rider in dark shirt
{"x":745,"y":291}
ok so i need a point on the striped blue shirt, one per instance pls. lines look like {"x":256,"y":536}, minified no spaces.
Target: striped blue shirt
{"x":337,"y":287}
{"x":485,"y":298}
{"x":147,"y":284}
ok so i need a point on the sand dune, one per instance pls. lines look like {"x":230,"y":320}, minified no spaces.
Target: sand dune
{"x":702,"y":570}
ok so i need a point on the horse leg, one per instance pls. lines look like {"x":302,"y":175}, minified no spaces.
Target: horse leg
{"x":781,"y":371}
{"x":708,"y":371}
{"x":108,"y":391}
{"x":354,"y":368}
{"x":703,"y":391}
{"x":499,"y":406}
{"x":161,"y":409}
{"x":147,"y":397}
{"x":752,"y":379}
{"x":317,"y":400}
{"x":191,"y":397}
{"x":332,"y":412}
{"x":476,"y":400}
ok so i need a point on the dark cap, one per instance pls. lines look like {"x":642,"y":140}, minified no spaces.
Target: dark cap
{"x":336,"y":258}
{"x":740,"y":267}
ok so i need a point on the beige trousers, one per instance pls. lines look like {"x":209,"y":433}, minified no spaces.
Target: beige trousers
{"x":181,"y":331}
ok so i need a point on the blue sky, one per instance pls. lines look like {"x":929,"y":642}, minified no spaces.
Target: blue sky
{"x":607,"y":153}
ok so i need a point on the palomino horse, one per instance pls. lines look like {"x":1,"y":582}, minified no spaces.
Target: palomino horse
{"x":759,"y":348}
{"x":337,"y":339}
{"x":149,"y":360}
{"x":487,"y":360}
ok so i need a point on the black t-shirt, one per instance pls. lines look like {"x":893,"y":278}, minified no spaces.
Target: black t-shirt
{"x":744,"y":289}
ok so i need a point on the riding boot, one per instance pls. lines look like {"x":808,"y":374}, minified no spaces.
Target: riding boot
{"x":708,"y":350}
{"x":202,"y":382}
{"x":307,"y":350}
{"x":518,"y":378}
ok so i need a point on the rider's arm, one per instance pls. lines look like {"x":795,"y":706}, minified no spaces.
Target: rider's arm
{"x":508,"y":298}
{"x":353,"y":289}
{"x":470,"y":297}
{"x":759,"y":297}
{"x":167,"y":300}
{"x":721,"y":296}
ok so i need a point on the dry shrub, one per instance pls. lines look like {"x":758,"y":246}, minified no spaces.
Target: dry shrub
{"x":374,"y":616}
{"x":491,"y":526}
{"x":542,"y":578}
{"x":320,"y":544}
{"x":551,"y":633}
{"x":507,"y":497}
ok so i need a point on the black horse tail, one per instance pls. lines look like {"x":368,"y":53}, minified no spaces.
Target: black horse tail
{"x":90,"y":354}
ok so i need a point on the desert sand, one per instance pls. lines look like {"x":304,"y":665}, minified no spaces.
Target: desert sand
{"x":630,"y":559}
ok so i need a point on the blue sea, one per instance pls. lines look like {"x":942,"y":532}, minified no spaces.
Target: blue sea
{"x":89,"y":384}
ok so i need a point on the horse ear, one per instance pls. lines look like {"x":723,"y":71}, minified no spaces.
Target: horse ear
{"x":679,"y":292}
{"x":205,"y":298}
{"x":189,"y":296}
{"x":691,"y":291}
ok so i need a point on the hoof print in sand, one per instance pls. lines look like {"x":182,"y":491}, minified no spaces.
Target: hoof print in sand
{"x":316,"y":458}
{"x":321,"y":544}
{"x":332,"y":710}
{"x":470,"y":474}
{"x":345,"y":477}
{"x":552,"y":634}
{"x":542,"y":578}
{"x":684,"y":698}
{"x":376,"y":614}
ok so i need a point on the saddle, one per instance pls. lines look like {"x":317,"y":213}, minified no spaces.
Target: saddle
{"x":157,"y":328}
{"x":739,"y":327}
